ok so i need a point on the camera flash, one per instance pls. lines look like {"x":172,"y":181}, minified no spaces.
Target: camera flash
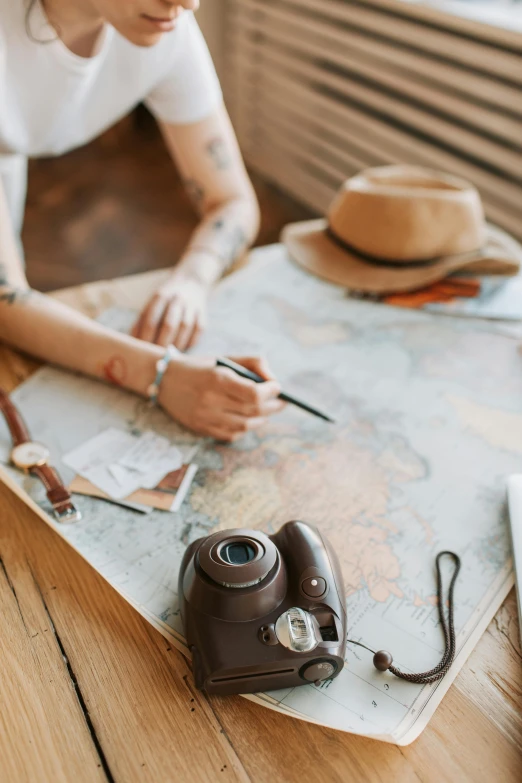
{"x":297,"y":630}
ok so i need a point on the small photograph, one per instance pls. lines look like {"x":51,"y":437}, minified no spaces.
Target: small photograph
{"x":167,"y":495}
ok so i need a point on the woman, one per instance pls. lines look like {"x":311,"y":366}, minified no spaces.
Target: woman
{"x":68,"y":70}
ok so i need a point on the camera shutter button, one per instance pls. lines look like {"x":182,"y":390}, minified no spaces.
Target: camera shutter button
{"x":314,"y":586}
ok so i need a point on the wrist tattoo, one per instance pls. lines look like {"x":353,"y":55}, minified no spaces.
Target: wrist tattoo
{"x":13,"y":295}
{"x":115,"y":371}
{"x":237,"y":242}
{"x":219,"y":152}
{"x":233,"y":240}
{"x":10,"y":293}
{"x":228,"y":243}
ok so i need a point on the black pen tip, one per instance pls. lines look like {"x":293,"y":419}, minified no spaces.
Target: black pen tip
{"x":324,"y":416}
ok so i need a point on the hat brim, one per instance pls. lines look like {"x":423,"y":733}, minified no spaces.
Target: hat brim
{"x":309,"y":244}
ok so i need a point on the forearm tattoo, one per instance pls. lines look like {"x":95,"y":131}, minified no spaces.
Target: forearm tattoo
{"x":219,"y":152}
{"x":10,"y":293}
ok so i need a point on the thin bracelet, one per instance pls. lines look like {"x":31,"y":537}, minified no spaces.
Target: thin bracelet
{"x":161,"y":366}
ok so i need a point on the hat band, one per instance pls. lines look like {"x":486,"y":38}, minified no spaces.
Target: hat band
{"x":391,"y":262}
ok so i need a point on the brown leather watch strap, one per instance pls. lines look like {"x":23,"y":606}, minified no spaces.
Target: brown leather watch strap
{"x":17,"y":426}
{"x":58,"y":496}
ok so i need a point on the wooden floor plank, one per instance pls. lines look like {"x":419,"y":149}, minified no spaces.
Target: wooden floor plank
{"x":275,"y":747}
{"x":44,"y":730}
{"x":150,"y":723}
{"x":492,"y":679}
{"x":463,"y":744}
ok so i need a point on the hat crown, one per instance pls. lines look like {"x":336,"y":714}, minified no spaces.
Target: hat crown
{"x":407,"y":213}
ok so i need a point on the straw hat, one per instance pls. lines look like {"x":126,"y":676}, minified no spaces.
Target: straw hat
{"x":400,"y":228}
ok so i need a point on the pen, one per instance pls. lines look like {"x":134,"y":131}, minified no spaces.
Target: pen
{"x":252,"y":376}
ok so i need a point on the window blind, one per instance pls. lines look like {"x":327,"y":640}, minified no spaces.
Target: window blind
{"x":319,"y":89}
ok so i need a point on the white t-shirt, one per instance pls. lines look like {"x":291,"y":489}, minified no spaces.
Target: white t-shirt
{"x":52,"y":101}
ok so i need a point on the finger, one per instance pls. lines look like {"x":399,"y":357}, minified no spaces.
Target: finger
{"x":185,"y":329}
{"x":151,"y":318}
{"x":138,"y":324}
{"x":257,"y":364}
{"x":223,"y":436}
{"x":267,"y":408}
{"x":243,"y":390}
{"x":199,"y":326}
{"x":234,"y":386}
{"x":135,"y":331}
{"x":170,"y":323}
{"x":230,"y":426}
{"x":195,"y":336}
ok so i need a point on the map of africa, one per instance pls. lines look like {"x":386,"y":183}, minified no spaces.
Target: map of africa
{"x":428,"y":413}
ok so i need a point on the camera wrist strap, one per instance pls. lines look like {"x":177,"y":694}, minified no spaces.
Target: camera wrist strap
{"x":383,"y":661}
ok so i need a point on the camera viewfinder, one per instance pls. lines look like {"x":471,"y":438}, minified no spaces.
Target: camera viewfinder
{"x":328,"y":633}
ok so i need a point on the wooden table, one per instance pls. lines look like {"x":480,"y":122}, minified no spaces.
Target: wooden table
{"x":90,"y":692}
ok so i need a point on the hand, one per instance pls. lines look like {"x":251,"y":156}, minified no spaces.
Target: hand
{"x":176,"y":314}
{"x":215,"y":401}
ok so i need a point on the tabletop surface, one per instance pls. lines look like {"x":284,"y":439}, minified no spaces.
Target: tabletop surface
{"x":89,"y":691}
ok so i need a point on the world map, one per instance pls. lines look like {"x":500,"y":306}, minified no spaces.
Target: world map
{"x":428,"y":425}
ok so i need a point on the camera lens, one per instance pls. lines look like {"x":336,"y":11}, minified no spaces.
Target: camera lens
{"x":237,"y":553}
{"x":237,"y":558}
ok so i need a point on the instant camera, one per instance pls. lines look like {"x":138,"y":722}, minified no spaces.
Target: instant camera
{"x":263,"y":612}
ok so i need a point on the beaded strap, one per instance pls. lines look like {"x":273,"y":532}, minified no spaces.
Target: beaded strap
{"x":382,"y":659}
{"x":161,"y":366}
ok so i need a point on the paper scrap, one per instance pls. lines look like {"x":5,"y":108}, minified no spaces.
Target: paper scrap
{"x":120,"y":463}
{"x":150,"y":453}
{"x":119,"y":473}
{"x":145,"y":449}
{"x":102,"y":450}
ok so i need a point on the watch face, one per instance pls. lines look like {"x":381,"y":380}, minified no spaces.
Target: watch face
{"x":29,"y":455}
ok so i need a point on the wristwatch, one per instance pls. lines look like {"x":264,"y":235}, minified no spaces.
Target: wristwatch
{"x":33,"y":458}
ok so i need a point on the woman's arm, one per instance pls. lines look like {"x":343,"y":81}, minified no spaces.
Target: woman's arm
{"x":208,"y":158}
{"x":56,"y":333}
{"x":209,"y":400}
